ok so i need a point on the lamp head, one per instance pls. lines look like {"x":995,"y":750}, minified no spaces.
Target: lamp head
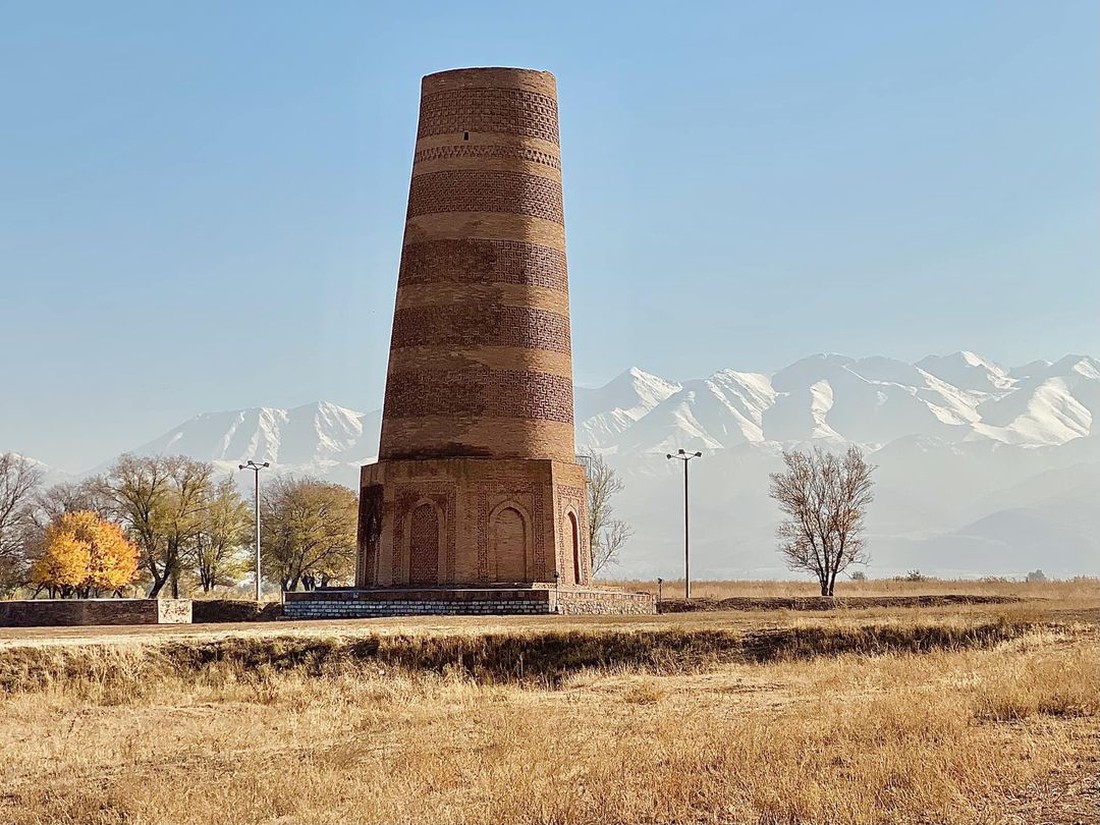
{"x":680,"y":451}
{"x":240,"y":466}
{"x":697,"y":455}
{"x":669,"y":455}
{"x":266,"y":464}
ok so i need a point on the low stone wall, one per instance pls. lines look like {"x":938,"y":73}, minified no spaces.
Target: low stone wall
{"x":573,"y":602}
{"x":465,"y":601}
{"x":75,"y":612}
{"x":234,"y":610}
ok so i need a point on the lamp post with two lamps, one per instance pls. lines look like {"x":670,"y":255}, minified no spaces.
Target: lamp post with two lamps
{"x":255,"y":468}
{"x":685,"y":457}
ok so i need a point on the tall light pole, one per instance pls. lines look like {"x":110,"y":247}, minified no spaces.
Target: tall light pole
{"x":255,"y":468}
{"x":685,"y":457}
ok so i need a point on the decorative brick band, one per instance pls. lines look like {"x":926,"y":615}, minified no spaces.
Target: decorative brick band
{"x":484,"y":190}
{"x":468,"y":326}
{"x":479,"y":392}
{"x":415,"y":359}
{"x":449,"y":436}
{"x":497,"y":111}
{"x":483,"y":261}
{"x":487,"y":151}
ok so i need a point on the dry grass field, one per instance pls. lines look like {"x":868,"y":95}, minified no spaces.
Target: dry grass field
{"x":1060,"y":590}
{"x":984,"y":713}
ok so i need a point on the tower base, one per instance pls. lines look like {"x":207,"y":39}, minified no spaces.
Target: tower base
{"x":531,"y":600}
{"x":472,"y":522}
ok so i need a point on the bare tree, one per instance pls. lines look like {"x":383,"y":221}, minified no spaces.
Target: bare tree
{"x":824,"y":497}
{"x":606,"y":534}
{"x":19,"y":478}
{"x":88,"y":495}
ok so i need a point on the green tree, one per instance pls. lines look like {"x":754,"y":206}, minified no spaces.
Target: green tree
{"x":224,"y":527}
{"x":160,"y":499}
{"x":307,"y":530}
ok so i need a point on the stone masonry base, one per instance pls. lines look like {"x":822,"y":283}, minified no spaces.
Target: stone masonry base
{"x":531,"y":599}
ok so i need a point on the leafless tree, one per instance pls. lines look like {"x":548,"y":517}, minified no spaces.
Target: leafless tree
{"x":19,"y":478}
{"x":606,"y":534}
{"x":70,"y":497}
{"x":824,"y":497}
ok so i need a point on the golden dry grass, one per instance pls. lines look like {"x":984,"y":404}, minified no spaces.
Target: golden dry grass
{"x":660,"y":719}
{"x":1080,"y":588}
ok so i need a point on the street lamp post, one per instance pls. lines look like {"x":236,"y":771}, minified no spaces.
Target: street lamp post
{"x":685,"y":457}
{"x":255,"y":468}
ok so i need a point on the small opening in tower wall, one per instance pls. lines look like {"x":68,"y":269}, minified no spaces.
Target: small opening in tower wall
{"x":465,"y":135}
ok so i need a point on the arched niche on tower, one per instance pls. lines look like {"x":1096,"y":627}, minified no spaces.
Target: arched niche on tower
{"x":509,"y":543}
{"x":424,"y":543}
{"x":572,"y":550}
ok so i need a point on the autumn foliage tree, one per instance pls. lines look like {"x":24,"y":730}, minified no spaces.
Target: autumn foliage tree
{"x":824,"y":497}
{"x":83,"y":555}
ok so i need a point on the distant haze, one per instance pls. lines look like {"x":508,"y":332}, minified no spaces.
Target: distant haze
{"x":982,"y":469}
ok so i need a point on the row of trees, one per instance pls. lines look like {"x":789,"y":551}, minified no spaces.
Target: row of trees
{"x":184,"y":527}
{"x":166,"y":519}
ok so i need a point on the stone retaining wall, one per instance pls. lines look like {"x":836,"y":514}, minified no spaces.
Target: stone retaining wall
{"x":75,"y":612}
{"x":443,"y":601}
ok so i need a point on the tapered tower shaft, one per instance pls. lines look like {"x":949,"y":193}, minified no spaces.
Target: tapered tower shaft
{"x":480,"y":362}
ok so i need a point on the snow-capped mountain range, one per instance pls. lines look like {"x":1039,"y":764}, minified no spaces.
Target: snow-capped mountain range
{"x":982,"y":469}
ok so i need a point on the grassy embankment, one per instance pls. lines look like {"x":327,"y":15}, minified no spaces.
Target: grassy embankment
{"x":952,"y":714}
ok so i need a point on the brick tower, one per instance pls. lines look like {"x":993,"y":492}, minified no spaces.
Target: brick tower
{"x":477,"y":482}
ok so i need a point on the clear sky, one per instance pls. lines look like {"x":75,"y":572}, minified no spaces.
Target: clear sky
{"x":201,"y":203}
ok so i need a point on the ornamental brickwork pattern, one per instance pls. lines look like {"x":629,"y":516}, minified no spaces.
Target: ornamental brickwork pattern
{"x":460,"y":326}
{"x":408,"y":496}
{"x":573,"y":500}
{"x":482,"y":261}
{"x":481,"y":392}
{"x":496,"y":111}
{"x":484,"y":190}
{"x":491,"y":152}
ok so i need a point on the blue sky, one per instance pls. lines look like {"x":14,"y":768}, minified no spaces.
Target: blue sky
{"x":201,"y":203}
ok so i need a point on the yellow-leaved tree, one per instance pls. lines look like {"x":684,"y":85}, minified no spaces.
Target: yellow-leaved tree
{"x":84,"y":556}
